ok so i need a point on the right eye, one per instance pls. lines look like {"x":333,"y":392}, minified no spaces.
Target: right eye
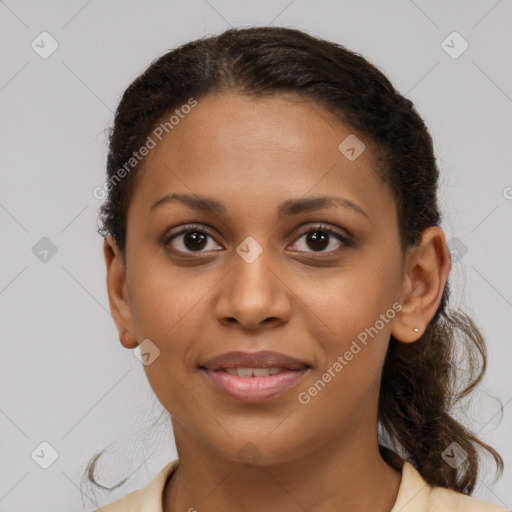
{"x":189,"y":240}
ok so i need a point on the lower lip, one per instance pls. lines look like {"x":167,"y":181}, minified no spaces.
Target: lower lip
{"x":253,"y":389}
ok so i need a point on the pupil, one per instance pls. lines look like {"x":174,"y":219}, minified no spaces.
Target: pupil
{"x":194,"y":240}
{"x":318,"y":240}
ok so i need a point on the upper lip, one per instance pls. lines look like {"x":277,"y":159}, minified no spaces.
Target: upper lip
{"x":263,"y":359}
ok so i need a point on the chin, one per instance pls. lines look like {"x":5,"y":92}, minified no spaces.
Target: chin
{"x":260,"y":449}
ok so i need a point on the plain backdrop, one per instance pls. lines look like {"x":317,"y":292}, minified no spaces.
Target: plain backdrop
{"x":65,"y":380}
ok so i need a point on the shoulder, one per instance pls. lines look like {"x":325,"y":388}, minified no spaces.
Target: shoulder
{"x":147,"y":499}
{"x":129,"y":503}
{"x":448,"y":500}
{"x":415,"y":495}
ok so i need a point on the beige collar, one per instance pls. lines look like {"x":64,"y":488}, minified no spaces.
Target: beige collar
{"x":413,"y":493}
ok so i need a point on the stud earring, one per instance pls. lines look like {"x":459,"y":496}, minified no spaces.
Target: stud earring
{"x":416,"y":330}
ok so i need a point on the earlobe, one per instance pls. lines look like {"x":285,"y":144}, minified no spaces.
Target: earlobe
{"x":127,"y":341}
{"x":427,"y":268}
{"x":117,"y":293}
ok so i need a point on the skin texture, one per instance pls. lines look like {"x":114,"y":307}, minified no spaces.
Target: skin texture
{"x":251,"y":155}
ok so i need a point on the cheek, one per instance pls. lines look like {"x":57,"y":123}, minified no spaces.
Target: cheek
{"x":346,"y":304}
{"x":168,"y":308}
{"x":351,"y":316}
{"x":165,"y":300}
{"x":353,"y":334}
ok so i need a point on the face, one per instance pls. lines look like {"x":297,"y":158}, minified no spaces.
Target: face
{"x":263,"y":274}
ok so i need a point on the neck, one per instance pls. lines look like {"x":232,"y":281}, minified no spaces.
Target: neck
{"x":343,"y":475}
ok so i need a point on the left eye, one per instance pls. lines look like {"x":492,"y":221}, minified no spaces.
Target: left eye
{"x":320,"y":236}
{"x":194,"y":239}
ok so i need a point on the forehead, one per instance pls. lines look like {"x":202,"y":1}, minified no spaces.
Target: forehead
{"x":228,"y":123}
{"x":265,"y":148}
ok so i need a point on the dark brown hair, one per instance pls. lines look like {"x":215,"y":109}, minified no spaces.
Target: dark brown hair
{"x":420,"y":383}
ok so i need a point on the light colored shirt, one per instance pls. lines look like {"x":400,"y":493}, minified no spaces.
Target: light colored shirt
{"x":414,"y":495}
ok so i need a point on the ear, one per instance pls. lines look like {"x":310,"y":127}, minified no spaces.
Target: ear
{"x":425,"y":273}
{"x":118,"y":293}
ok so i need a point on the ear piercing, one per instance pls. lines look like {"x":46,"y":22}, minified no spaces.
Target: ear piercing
{"x":416,"y":330}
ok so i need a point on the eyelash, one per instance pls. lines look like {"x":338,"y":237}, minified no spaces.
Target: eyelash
{"x":347,"y":242}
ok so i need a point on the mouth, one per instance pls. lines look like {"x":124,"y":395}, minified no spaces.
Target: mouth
{"x":253,"y":377}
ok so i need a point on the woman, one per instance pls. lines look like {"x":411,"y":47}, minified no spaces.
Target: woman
{"x":273,"y":246}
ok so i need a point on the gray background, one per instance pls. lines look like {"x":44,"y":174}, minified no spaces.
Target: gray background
{"x":64,"y":377}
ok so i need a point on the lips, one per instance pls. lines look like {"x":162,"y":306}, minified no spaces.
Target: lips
{"x":253,"y":377}
{"x":263,"y":359}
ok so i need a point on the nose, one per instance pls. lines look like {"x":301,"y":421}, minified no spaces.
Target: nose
{"x":253,"y":294}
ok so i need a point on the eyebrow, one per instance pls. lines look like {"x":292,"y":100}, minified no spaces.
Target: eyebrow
{"x":286,"y":209}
